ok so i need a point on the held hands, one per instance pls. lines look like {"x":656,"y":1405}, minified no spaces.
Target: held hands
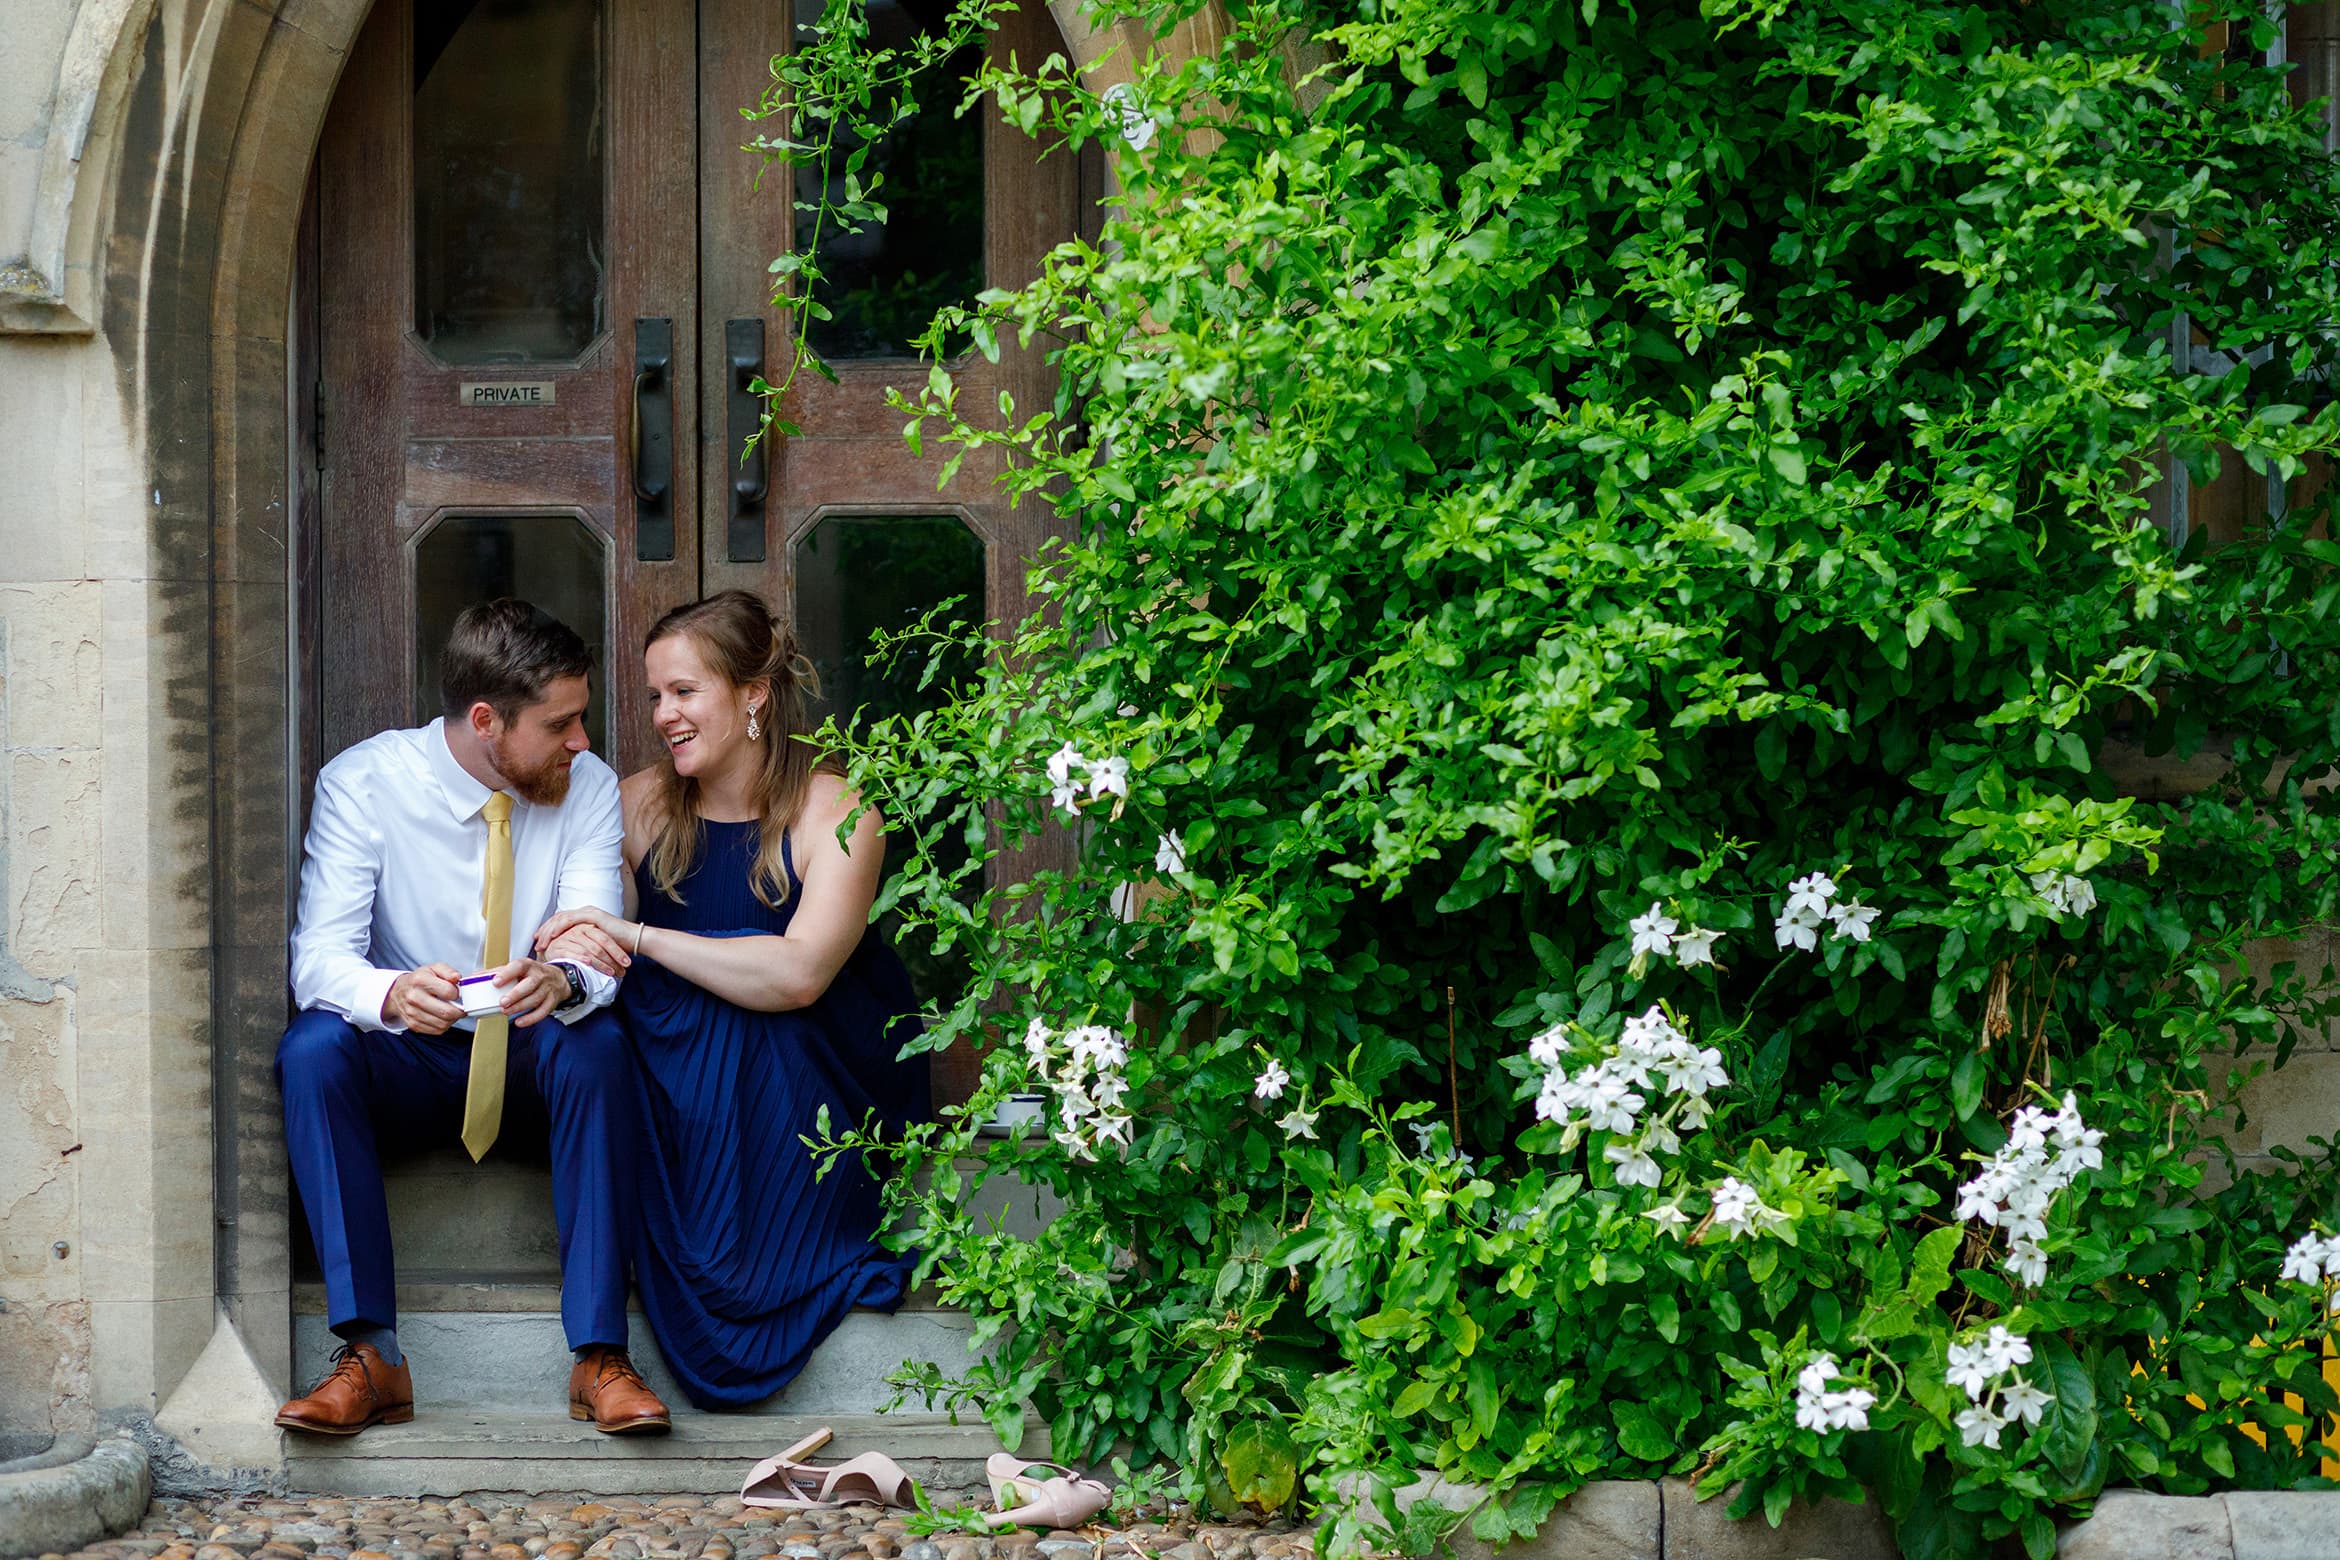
{"x":426,"y":1002}
{"x":589,"y":935}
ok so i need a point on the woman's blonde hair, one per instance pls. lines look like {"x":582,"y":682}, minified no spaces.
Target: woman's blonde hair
{"x":741,"y":641}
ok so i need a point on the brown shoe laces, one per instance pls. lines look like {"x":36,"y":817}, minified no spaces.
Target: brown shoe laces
{"x":618,"y":1363}
{"x":345,"y":1360}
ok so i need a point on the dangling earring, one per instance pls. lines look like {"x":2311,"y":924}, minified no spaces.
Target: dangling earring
{"x":754,"y":730}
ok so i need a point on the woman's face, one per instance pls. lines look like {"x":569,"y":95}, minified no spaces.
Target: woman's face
{"x":701,"y":715}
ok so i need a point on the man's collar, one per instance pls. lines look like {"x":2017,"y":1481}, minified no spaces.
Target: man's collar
{"x":465,"y":795}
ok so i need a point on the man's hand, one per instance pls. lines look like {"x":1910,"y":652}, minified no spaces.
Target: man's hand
{"x":425,"y":1000}
{"x":532,"y":990}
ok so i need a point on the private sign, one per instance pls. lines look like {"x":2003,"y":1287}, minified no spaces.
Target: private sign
{"x":508,"y":392}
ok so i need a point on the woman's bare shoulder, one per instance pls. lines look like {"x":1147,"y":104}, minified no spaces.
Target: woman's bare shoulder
{"x":829,"y":799}
{"x":637,"y":787}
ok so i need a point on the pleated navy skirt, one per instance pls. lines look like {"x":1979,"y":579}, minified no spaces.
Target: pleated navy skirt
{"x":744,"y":1261}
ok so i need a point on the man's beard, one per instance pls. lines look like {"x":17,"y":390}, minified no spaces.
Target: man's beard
{"x":544,"y":786}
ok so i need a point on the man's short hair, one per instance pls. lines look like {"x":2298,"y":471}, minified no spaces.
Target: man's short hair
{"x":506,"y":653}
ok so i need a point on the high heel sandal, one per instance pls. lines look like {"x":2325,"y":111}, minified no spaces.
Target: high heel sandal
{"x":1058,"y":1498}
{"x":786,"y":1483}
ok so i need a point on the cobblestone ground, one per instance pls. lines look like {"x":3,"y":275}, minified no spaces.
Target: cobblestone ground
{"x":668,"y":1527}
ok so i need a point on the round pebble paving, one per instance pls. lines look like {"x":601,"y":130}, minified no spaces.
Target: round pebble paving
{"x":649,"y":1527}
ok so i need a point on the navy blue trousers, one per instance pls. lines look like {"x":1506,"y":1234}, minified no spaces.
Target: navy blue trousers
{"x":348,"y":1093}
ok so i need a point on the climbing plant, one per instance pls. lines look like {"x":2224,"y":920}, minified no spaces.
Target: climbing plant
{"x":1616,"y":582}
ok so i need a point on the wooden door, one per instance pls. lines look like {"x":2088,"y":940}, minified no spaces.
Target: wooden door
{"x":542,"y":276}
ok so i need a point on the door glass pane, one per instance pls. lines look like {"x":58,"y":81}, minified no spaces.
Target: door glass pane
{"x":553,"y":561}
{"x":883,"y":284}
{"x":855,"y":576}
{"x":508,"y":178}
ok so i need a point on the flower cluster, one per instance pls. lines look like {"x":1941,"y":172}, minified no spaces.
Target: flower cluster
{"x":1811,"y":902}
{"x":1977,"y":1367}
{"x":2065,"y":893}
{"x":1611,"y":1094}
{"x":1740,"y":1210}
{"x":1297,"y":1122}
{"x":1659,"y":935}
{"x":2042,"y":1156}
{"x":1075,"y":781}
{"x":2312,"y":1259}
{"x":1817,"y":1408}
{"x":1088,"y":1084}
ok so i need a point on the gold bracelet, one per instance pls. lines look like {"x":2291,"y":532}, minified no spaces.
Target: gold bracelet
{"x":641,"y":930}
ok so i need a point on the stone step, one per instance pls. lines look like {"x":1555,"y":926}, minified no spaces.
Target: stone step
{"x":516,"y":1361}
{"x":454,"y":1448}
{"x":446,"y":1211}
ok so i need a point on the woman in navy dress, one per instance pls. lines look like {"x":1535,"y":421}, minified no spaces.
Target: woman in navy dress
{"x":755,"y":995}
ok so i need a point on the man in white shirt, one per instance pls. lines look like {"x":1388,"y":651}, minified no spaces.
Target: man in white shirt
{"x":432,"y":856}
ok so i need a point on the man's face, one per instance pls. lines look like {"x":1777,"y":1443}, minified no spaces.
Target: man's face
{"x":534,"y":751}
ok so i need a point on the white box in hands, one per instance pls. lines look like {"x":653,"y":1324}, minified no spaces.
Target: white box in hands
{"x":479,"y":995}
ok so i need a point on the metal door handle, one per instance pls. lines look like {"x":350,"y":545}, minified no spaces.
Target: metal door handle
{"x":743,"y":352}
{"x":652,"y":441}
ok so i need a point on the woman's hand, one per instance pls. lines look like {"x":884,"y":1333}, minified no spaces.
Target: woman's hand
{"x":589,"y":934}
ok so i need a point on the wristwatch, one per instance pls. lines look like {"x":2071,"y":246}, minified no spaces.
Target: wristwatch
{"x":576,"y":981}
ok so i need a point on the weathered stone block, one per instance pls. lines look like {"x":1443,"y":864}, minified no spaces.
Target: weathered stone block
{"x":1616,"y":1519}
{"x":2132,"y":1525}
{"x":54,"y":669}
{"x":54,"y":807}
{"x":1838,"y":1530}
{"x":2283,"y":1524}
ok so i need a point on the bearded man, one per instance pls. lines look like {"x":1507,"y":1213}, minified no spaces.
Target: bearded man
{"x":432,"y":856}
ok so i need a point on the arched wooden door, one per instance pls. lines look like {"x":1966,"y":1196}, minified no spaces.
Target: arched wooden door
{"x":539,"y":290}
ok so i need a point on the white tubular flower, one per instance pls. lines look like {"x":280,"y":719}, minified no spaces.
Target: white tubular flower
{"x":1109,"y":777}
{"x":2304,"y":1262}
{"x":1169,"y":854}
{"x":1796,"y":931}
{"x":1036,"y":1040}
{"x":2027,"y":1260}
{"x":2332,"y":1258}
{"x":1695,"y":947}
{"x":1064,"y":790}
{"x":1849,"y":1410}
{"x":1113,"y":1129}
{"x":1553,"y":1101}
{"x":1811,"y":1413}
{"x":1548,"y":1046}
{"x":1981,"y":1427}
{"x":1852,"y":921}
{"x":1695,"y":1072}
{"x":1695,"y":1112}
{"x":1815,"y":1377}
{"x":1269,"y":1085}
{"x":2004,"y":1350}
{"x":1649,"y":1034}
{"x":1609,"y":1106}
{"x":1808,"y":897}
{"x":2065,"y":893}
{"x":2019,"y":1399}
{"x":1969,"y":1369}
{"x":1653,"y":933}
{"x":1668,"y":1216}
{"x":1738,"y":1210}
{"x":1634,"y":1168}
{"x":1298,"y":1123}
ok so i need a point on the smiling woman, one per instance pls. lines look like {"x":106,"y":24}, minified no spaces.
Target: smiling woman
{"x":759,"y":1002}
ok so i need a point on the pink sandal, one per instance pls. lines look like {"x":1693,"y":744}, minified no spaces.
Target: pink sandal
{"x":1060,"y":1498}
{"x":784,"y":1483}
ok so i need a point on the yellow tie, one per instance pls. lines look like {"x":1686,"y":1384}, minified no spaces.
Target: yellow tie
{"x":483,"y":1101}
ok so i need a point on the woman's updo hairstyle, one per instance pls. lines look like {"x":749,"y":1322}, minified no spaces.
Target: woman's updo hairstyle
{"x":736,"y":634}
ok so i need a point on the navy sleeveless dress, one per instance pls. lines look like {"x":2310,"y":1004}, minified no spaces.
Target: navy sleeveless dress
{"x":746,"y":1262}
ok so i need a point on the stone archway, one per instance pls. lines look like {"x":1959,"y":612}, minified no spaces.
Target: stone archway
{"x":169,"y":226}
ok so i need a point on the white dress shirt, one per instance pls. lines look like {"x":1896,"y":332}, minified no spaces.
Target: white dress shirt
{"x":392,"y":869}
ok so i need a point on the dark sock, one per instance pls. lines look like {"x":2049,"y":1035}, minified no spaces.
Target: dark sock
{"x":384,"y":1339}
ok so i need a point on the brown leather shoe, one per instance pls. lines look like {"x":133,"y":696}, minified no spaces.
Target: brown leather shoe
{"x":361,"y":1389}
{"x":605,"y":1388}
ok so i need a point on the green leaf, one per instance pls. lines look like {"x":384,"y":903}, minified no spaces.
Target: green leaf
{"x":1966,"y":1084}
{"x":1262,"y":1463}
{"x":1640,"y":1433}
